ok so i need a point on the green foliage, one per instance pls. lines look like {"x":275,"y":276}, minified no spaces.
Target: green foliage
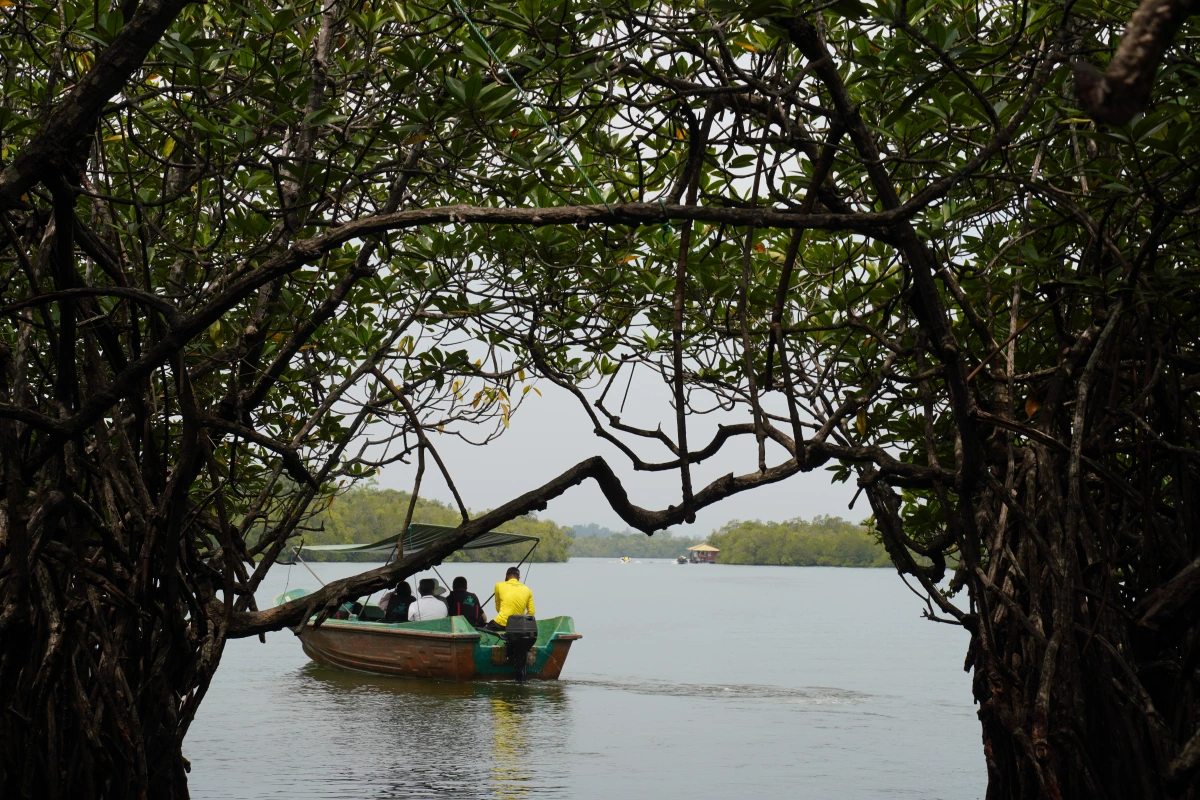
{"x":634,"y":545}
{"x":368,"y":513}
{"x":822,"y":542}
{"x":555,"y":544}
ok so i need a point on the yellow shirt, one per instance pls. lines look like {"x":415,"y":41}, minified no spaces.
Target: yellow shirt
{"x":512,"y":597}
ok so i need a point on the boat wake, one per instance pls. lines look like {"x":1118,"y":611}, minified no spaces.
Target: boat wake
{"x":812,"y":695}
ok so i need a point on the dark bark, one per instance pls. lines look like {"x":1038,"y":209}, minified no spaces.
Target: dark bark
{"x":1123,"y":89}
{"x":58,"y":148}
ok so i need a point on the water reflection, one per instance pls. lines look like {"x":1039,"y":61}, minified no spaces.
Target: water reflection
{"x":510,"y":753}
{"x":417,"y":738}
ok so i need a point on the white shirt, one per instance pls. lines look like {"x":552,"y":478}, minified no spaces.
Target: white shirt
{"x":427,"y":607}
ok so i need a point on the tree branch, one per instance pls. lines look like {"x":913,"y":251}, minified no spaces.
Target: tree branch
{"x":1123,"y":90}
{"x":73,"y":120}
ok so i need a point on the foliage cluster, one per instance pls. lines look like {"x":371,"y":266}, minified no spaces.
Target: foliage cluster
{"x":634,"y":545}
{"x":593,"y":529}
{"x":368,"y":514}
{"x":823,"y":541}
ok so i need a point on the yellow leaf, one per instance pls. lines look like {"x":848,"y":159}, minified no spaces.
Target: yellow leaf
{"x":521,"y":375}
{"x":759,"y":247}
{"x":747,"y":46}
{"x":539,"y":391}
{"x":7,"y":4}
{"x":168,"y":148}
{"x":1031,"y":406}
{"x":680,"y":133}
{"x":116,"y":137}
{"x":861,"y":422}
{"x":420,"y":137}
{"x":626,"y":259}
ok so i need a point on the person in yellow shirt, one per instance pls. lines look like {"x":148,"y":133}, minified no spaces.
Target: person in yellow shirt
{"x":512,"y":597}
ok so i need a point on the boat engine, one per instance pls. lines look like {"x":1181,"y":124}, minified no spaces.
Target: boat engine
{"x":520,"y":634}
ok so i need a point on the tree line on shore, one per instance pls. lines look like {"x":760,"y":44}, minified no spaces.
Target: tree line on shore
{"x":823,"y":541}
{"x":369,"y":513}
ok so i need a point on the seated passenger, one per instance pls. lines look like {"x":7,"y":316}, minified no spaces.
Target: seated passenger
{"x":395,"y":603}
{"x":428,"y":605}
{"x":347,"y":610}
{"x":462,"y":603}
{"x":512,"y":597}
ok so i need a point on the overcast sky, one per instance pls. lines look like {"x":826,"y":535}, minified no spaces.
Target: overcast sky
{"x":551,"y":433}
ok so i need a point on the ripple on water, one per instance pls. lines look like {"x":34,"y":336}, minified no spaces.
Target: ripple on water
{"x":811,"y":695}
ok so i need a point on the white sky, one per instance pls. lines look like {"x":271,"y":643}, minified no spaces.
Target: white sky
{"x":551,"y":433}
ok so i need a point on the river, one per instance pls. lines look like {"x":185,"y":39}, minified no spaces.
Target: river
{"x":691,"y":681}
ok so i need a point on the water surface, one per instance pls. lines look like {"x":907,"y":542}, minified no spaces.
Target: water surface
{"x":692,"y":681}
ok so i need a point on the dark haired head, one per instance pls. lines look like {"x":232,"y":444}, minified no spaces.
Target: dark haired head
{"x":426,"y":586}
{"x":513,"y":572}
{"x":404,"y":589}
{"x":460,"y":584}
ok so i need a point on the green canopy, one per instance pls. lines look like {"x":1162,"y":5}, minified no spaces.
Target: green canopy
{"x":421,"y":536}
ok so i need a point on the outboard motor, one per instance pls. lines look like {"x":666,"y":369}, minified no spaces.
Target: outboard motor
{"x":520,"y":634}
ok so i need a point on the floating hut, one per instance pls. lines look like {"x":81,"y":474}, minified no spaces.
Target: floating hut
{"x":703,"y":554}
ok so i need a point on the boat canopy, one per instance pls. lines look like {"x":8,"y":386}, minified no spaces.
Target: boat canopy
{"x":704,"y":548}
{"x":421,"y":535}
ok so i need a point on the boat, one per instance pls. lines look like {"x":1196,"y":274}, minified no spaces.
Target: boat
{"x":681,"y":560}
{"x":447,"y":649}
{"x":624,"y":559}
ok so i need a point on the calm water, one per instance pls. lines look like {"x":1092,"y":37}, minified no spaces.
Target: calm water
{"x":691,"y":681}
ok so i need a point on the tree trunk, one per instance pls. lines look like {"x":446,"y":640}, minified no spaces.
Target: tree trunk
{"x":1083,"y":660}
{"x":100,"y":680}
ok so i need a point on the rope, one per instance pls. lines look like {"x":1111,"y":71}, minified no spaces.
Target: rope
{"x":310,"y":569}
{"x":529,"y":102}
{"x":443,"y":580}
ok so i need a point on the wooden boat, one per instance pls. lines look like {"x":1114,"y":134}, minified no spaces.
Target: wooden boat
{"x":448,"y":649}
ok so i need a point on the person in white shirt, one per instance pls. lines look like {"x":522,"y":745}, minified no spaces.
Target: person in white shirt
{"x":429,"y":605}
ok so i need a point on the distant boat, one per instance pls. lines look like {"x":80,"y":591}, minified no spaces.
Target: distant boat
{"x":448,"y":649}
{"x":681,"y":560}
{"x":624,"y":559}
